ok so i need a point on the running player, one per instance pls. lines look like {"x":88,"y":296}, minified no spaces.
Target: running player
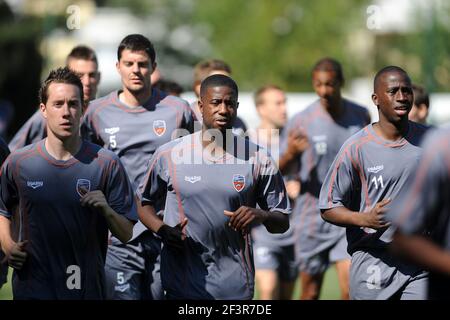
{"x":368,"y":174}
{"x":211,"y":190}
{"x":68,"y":193}
{"x":83,"y":61}
{"x":274,"y":254}
{"x":133,"y":122}
{"x":425,"y":207}
{"x":202,"y":70}
{"x":311,"y":141}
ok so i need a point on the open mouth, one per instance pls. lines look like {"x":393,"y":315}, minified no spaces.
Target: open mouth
{"x":221,"y":122}
{"x":401,"y":110}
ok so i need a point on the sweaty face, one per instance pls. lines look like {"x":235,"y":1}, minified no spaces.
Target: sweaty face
{"x":393,"y":96}
{"x":273,"y":108}
{"x":327,"y":86}
{"x":89,"y":75}
{"x":63,"y":110}
{"x":135,"y":69}
{"x":219,"y":107}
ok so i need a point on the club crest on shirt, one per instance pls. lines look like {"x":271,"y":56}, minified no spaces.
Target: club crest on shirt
{"x":238,"y":182}
{"x":83,"y":186}
{"x":159,"y":127}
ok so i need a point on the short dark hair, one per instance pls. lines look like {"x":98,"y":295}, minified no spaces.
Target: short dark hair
{"x":258,"y":93}
{"x":137,"y":42}
{"x":60,"y":75}
{"x":329,"y":64}
{"x":421,"y":96}
{"x":218,"y":80}
{"x":170,"y":87}
{"x":82,"y":52}
{"x":386,"y":70}
{"x":205,"y":67}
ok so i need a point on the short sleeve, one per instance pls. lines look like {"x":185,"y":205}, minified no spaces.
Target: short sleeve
{"x":8,"y":189}
{"x":88,"y":130}
{"x":153,"y":187}
{"x":271,"y":193}
{"x":341,"y":183}
{"x":119,"y":193}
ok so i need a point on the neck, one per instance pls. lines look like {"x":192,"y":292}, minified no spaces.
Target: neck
{"x":336,"y":108}
{"x":216,"y":141}
{"x":266,"y":125}
{"x":135,"y":99}
{"x":62,"y":149}
{"x":392,"y":130}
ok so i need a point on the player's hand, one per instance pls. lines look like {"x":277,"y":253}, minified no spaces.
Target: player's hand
{"x":297,"y":142}
{"x":173,"y":236}
{"x":375,"y":217}
{"x":293,"y":188}
{"x":16,"y":255}
{"x":241,"y":219}
{"x":95,"y":199}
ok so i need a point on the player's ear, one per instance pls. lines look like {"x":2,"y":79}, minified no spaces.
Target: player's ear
{"x":117,"y":66}
{"x":375,"y":99}
{"x":43,"y":109}
{"x":200,"y":105}
{"x":154,"y":67}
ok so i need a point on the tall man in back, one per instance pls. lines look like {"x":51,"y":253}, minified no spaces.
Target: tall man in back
{"x":133,"y":122}
{"x":311,"y":141}
{"x":81,"y":60}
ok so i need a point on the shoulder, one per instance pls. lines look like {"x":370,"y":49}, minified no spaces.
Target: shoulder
{"x":172,"y":101}
{"x":26,"y":151}
{"x":186,"y":141}
{"x":99,"y":103}
{"x":356,"y":139}
{"x":93,"y":150}
{"x":304,"y":114}
{"x":437,"y":139}
{"x":356,"y":107}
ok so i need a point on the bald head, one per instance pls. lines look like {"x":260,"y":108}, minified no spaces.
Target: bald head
{"x":384,"y":72}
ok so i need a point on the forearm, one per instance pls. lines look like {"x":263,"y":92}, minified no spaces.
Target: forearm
{"x":285,"y":161}
{"x":148,"y":216}
{"x":6,"y":241}
{"x":343,"y":217}
{"x":120,"y":227}
{"x":275,"y":221}
{"x":422,"y":252}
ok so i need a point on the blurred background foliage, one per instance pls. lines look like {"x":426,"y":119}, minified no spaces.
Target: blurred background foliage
{"x":264,"y":41}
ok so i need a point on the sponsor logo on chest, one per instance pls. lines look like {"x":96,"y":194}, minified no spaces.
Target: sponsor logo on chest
{"x":35,"y":184}
{"x":192,"y":179}
{"x":375,"y":169}
{"x":113,"y":130}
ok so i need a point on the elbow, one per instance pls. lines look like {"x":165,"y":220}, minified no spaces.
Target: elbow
{"x":127,"y":232}
{"x":280,"y":227}
{"x":325,"y":215}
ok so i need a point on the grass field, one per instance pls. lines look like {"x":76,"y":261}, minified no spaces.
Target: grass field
{"x":330,"y":290}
